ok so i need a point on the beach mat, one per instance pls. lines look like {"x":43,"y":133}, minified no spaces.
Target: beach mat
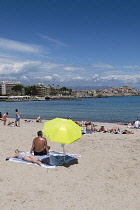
{"x":54,"y":159}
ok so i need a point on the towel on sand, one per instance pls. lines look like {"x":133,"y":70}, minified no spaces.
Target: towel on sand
{"x":54,"y":159}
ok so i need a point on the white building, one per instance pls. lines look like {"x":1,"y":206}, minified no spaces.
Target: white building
{"x":7,"y":86}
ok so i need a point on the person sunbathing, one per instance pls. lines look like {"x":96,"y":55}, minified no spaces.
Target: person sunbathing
{"x":89,"y":128}
{"x":131,"y":125}
{"x":10,"y":123}
{"x":127,"y":132}
{"x":25,"y":156}
{"x":38,"y":119}
{"x":115,"y":130}
{"x":103,"y":129}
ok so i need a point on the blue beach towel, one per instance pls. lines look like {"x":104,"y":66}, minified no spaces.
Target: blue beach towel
{"x":53,"y":160}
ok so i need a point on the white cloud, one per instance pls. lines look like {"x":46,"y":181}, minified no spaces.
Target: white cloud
{"x":77,"y":78}
{"x":54,"y":41}
{"x":18,"y":46}
{"x":131,"y":67}
{"x":48,"y":78}
{"x":32,"y":72}
{"x":72,"y":68}
{"x":125,"y":79}
{"x":102,"y":66}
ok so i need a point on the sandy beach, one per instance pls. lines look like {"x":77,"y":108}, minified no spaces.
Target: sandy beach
{"x":105,"y":178}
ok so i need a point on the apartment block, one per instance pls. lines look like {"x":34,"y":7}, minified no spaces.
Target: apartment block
{"x":6,"y":87}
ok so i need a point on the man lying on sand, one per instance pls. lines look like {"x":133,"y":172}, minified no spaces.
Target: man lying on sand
{"x":39,"y":145}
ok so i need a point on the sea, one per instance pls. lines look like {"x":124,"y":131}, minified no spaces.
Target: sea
{"x":111,"y":109}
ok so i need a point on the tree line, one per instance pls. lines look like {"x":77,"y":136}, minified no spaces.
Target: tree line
{"x":32,"y":90}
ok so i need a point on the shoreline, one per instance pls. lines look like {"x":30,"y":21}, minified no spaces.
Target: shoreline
{"x":7,"y":99}
{"x":80,"y":121}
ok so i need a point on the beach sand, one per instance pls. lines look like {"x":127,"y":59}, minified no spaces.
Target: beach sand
{"x":105,"y":178}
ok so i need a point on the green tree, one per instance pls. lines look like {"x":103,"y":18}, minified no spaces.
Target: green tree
{"x":70,"y":91}
{"x":18,"y":88}
{"x":63,"y":90}
{"x":31,"y":90}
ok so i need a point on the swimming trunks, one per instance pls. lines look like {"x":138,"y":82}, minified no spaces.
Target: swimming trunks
{"x":44,"y":152}
{"x":88,"y":131}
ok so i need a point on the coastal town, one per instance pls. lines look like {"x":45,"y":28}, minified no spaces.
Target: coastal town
{"x":14,"y":91}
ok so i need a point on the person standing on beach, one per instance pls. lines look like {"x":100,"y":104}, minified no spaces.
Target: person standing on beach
{"x":39,"y":145}
{"x":17,"y":120}
{"x":0,"y":116}
{"x":4,"y":118}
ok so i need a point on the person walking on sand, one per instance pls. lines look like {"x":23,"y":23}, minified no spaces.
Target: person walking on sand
{"x":17,"y":120}
{"x":39,"y":145}
{"x":4,"y":118}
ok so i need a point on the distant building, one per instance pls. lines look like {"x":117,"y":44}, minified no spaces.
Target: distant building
{"x":41,"y":89}
{"x":120,"y":91}
{"x":6,"y":87}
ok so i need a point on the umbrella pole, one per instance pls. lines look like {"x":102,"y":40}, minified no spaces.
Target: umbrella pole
{"x":63,"y":145}
{"x":64,"y":152}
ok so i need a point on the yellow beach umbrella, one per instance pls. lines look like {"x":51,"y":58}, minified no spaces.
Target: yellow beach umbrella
{"x":63,"y":131}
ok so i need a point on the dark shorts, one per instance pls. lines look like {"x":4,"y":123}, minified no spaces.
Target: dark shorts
{"x":17,"y":120}
{"x":44,"y":152}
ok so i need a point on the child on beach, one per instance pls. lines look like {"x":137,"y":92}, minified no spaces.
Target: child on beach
{"x":17,"y":120}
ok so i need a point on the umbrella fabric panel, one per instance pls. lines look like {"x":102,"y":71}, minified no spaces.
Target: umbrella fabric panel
{"x":62,"y":131}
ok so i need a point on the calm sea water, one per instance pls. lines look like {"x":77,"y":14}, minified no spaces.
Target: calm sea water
{"x":111,"y":109}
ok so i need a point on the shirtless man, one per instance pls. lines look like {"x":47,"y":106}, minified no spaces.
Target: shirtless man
{"x":39,"y":145}
{"x":4,"y":118}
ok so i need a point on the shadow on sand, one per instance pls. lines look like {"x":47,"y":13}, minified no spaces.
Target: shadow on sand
{"x":70,"y":163}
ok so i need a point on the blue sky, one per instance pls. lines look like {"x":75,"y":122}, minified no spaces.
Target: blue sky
{"x":70,"y":43}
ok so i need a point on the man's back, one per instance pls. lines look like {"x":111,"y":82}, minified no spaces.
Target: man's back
{"x":4,"y":116}
{"x":40,"y":143}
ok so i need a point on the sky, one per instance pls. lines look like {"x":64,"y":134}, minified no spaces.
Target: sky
{"x":72,"y":43}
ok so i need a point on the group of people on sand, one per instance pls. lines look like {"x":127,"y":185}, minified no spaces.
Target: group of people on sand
{"x":39,"y":148}
{"x":17,"y":119}
{"x":89,"y":128}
